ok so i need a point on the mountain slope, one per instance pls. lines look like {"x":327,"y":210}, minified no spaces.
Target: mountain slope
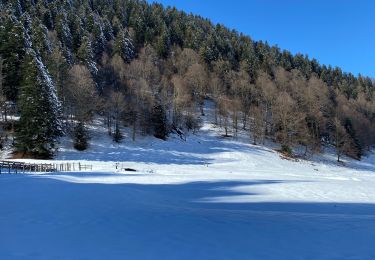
{"x":208,"y":197}
{"x":152,"y":67}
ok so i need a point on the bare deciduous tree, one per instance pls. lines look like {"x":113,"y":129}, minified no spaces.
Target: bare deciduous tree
{"x":287,"y":119}
{"x":216,"y":88}
{"x":342,"y":140}
{"x":182,"y":101}
{"x":257,"y":123}
{"x":224,"y":113}
{"x":235,"y":108}
{"x":244,"y":91}
{"x":196,"y":79}
{"x":184,"y":59}
{"x":269,"y":95}
{"x":116,"y":102}
{"x":81,"y":93}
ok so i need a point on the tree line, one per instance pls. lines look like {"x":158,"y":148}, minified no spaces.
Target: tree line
{"x":151,"y":68}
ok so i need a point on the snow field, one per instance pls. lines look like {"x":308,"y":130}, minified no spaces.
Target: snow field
{"x":206,"y":198}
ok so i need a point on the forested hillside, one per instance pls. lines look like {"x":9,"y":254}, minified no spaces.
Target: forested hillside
{"x":151,"y":68}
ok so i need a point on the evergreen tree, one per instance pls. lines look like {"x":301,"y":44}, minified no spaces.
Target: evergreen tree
{"x":208,"y":50}
{"x":63,"y":30}
{"x":39,"y":125}
{"x":124,"y":46}
{"x":39,"y":39}
{"x":355,"y":150}
{"x":58,"y":69}
{"x":76,"y":30}
{"x":12,"y":49}
{"x":107,"y":30}
{"x":163,"y":43}
{"x":159,"y":122}
{"x":99,"y":40}
{"x":81,"y":137}
{"x":1,"y":74}
{"x":86,"y":56}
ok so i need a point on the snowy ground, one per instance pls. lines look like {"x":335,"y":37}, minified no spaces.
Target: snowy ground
{"x":206,"y":198}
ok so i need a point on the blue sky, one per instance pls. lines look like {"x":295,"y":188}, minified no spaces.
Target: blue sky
{"x":336,"y":32}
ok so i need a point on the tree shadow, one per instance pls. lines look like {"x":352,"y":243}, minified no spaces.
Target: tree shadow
{"x":366,"y":164}
{"x":58,"y":219}
{"x":196,"y":151}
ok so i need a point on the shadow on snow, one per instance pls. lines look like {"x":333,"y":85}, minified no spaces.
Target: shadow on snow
{"x":47,"y":218}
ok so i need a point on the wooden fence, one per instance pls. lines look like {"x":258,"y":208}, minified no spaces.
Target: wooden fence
{"x":69,"y":167}
{"x":23,"y":167}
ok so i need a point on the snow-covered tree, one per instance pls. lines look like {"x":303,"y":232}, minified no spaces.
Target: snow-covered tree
{"x":107,"y":30}
{"x":86,"y":56}
{"x":12,"y":43}
{"x":39,"y":38}
{"x":99,"y":39}
{"x":39,"y":126}
{"x":124,"y":46}
{"x":163,"y":43}
{"x":63,"y":30}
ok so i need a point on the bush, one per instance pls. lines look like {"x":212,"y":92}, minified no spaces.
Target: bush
{"x":286,"y":150}
{"x":192,"y":123}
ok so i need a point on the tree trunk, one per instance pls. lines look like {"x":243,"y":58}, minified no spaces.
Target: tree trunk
{"x":244,"y":121}
{"x":216,"y":123}
{"x":5,"y":113}
{"x":134,"y":128}
{"x":201,"y":109}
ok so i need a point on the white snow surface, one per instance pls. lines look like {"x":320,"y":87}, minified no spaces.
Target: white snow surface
{"x":208,"y":197}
